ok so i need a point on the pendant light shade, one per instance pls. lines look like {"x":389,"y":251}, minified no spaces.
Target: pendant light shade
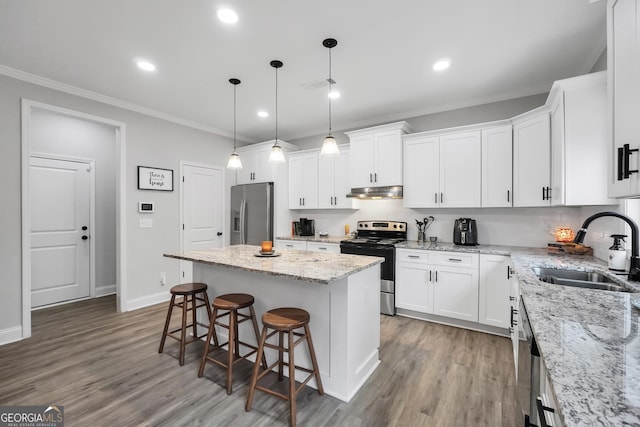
{"x":234,"y":160}
{"x":277,"y":155}
{"x":329,"y":147}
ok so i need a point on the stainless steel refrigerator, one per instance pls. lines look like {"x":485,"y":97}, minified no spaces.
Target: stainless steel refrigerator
{"x":251,"y":213}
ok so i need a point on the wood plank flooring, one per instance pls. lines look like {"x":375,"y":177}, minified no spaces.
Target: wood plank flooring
{"x":105,"y":369}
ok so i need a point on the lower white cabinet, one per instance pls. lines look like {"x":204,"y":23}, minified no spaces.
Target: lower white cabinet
{"x":305,"y":245}
{"x":548,"y":398}
{"x":439,"y":283}
{"x":494,"y":291}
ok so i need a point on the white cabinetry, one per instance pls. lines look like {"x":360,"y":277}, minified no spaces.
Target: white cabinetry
{"x":376,"y":155}
{"x":439,"y":283}
{"x":497,"y":166}
{"x":333,"y":248}
{"x":303,"y":180}
{"x":291,"y":244}
{"x":579,"y":141}
{"x":305,"y":245}
{"x":255,"y":163}
{"x":494,"y":291}
{"x":514,"y":319}
{"x":548,"y":398}
{"x":531,"y":159}
{"x":334,"y":180}
{"x":442,"y":170}
{"x":623,"y":63}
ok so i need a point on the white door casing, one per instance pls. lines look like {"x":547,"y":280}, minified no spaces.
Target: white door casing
{"x":202,"y":211}
{"x":61,"y":208}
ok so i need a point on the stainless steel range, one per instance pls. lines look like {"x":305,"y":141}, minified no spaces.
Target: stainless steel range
{"x":378,"y":238}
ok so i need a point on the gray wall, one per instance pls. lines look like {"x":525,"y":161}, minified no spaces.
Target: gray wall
{"x":601,"y":63}
{"x":150,"y":142}
{"x":57,"y":134}
{"x":464,"y":116}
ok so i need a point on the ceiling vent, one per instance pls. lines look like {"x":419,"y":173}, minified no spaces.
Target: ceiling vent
{"x":317,"y":84}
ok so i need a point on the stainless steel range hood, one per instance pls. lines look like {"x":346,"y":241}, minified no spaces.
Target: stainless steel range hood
{"x":394,"y":192}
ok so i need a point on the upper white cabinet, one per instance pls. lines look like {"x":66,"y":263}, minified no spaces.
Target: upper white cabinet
{"x":255,"y":163}
{"x":497,"y":166}
{"x":303,"y":180}
{"x":532,"y":159}
{"x":442,"y":170}
{"x":376,"y":155}
{"x":334,"y":180}
{"x":579,"y":141}
{"x":623,"y":59}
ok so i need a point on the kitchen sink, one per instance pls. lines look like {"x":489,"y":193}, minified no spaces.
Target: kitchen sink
{"x":580,"y":279}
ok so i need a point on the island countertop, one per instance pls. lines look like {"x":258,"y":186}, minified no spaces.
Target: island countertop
{"x":317,"y":267}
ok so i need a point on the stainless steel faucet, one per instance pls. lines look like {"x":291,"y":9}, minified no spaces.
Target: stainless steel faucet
{"x":634,"y":267}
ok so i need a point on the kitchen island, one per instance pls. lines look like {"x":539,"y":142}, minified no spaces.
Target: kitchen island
{"x":341,"y":293}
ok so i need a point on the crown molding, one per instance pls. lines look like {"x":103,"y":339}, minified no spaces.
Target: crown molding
{"x":115,"y":102}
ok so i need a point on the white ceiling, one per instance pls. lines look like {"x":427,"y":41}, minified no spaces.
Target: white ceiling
{"x":500,"y":49}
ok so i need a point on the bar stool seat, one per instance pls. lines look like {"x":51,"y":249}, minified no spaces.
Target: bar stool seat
{"x":285,"y":320}
{"x":196,"y":293}
{"x":232,"y":303}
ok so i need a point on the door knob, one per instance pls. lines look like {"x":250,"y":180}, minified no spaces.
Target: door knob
{"x":219,"y":233}
{"x":85,"y":237}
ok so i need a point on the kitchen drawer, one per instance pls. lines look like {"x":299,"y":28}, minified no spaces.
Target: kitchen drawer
{"x":332,"y":248}
{"x":457,"y":259}
{"x":411,"y":255}
{"x":291,"y":244}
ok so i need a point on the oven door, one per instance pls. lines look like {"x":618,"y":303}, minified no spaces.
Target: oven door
{"x":387,"y":268}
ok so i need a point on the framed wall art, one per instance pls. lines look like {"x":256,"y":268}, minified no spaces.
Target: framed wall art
{"x":155,"y":179}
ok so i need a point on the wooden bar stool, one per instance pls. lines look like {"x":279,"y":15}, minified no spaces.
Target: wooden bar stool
{"x":285,"y":320}
{"x":231,"y":303}
{"x":196,"y":293}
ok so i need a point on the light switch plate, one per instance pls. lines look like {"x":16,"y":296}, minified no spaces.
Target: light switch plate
{"x":146,"y":222}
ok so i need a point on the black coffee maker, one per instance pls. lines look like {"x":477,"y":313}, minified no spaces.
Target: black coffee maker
{"x":305,"y":227}
{"x":465,"y":232}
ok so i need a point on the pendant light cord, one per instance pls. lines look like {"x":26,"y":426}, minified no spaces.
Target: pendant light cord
{"x":276,"y":105}
{"x":330,"y":80}
{"x":234,"y":117}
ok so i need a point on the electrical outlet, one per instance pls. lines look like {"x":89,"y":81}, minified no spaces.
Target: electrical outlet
{"x":163,"y":278}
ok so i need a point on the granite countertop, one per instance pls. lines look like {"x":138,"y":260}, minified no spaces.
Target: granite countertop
{"x":316,"y":238}
{"x":588,"y":339}
{"x":317,"y":267}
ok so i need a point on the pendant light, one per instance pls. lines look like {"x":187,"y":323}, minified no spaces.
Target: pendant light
{"x":329,"y":147}
{"x":234,"y":160}
{"x":277,"y":155}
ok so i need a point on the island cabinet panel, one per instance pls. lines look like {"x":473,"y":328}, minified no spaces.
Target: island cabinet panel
{"x":341,"y":293}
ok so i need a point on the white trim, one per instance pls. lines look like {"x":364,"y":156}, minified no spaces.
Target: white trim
{"x":10,"y":335}
{"x":120,"y":130}
{"x":148,"y":300}
{"x":102,"y":291}
{"x":74,"y":90}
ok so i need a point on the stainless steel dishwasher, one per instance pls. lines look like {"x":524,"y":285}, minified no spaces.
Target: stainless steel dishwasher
{"x":528,"y":372}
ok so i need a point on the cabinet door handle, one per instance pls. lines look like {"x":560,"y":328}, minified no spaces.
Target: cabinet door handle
{"x":508,"y":196}
{"x":620,"y":163}
{"x":303,"y":201}
{"x":414,"y":256}
{"x":289,"y":246}
{"x":455,"y":259}
{"x":429,"y":275}
{"x":370,"y":177}
{"x":322,"y":249}
{"x":544,"y":195}
{"x":541,"y":410}
{"x":435,"y":197}
{"x":627,"y":154}
{"x":441,"y":198}
{"x":375,"y":177}
{"x":508,"y":274}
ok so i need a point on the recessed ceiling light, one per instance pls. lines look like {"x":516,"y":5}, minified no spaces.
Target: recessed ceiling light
{"x":442,"y":64}
{"x":334,"y":94}
{"x":227,"y":16}
{"x":263,"y":114}
{"x":146,"y":66}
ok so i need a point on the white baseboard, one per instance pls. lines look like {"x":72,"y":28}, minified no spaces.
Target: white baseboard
{"x":10,"y":335}
{"x":148,"y":300}
{"x":105,"y":290}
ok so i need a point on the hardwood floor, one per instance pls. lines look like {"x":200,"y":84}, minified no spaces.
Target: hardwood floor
{"x":105,"y":369}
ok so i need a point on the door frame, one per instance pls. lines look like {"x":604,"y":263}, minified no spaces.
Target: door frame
{"x":28,"y":106}
{"x":184,"y":163}
{"x":92,"y":217}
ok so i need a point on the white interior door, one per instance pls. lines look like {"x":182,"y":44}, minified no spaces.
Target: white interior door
{"x":202,"y":208}
{"x":60,"y":193}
